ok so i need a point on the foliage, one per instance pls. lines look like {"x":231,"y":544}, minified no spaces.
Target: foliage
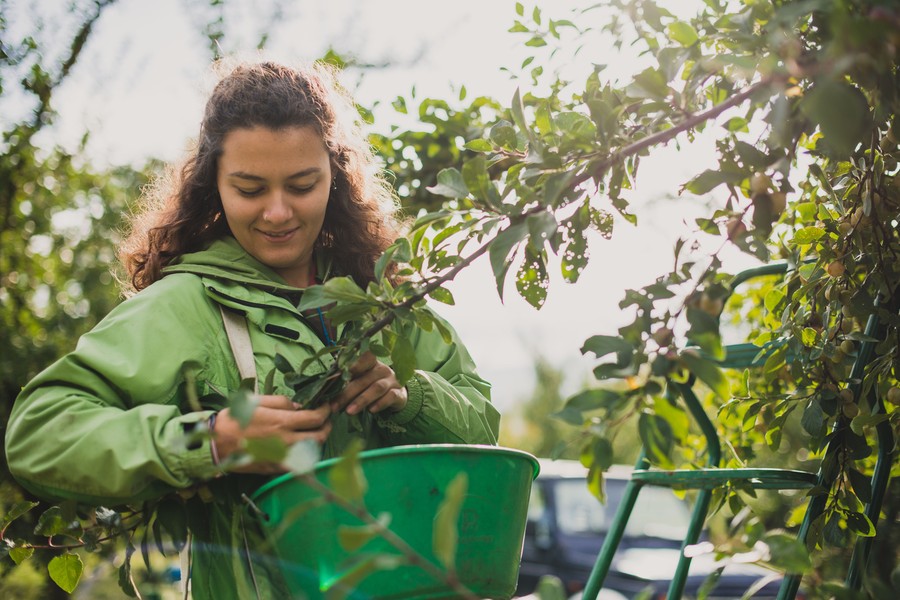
{"x":801,"y":98}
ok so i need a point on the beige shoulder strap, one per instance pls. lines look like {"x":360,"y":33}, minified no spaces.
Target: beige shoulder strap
{"x":239,"y":340}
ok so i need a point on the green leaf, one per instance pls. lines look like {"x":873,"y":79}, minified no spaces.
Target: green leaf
{"x":787,"y":552}
{"x":708,"y":372}
{"x":383,"y":261}
{"x":65,"y":571}
{"x":479,"y":145}
{"x":446,"y":534}
{"x":342,"y":313}
{"x":860,"y":524}
{"x":354,"y":538}
{"x":340,"y":588}
{"x":314,"y":297}
{"x":649,"y":83}
{"x":241,"y":405}
{"x":704,"y":332}
{"x":601,"y":345}
{"x":656,"y":436}
{"x":336,"y":289}
{"x":503,"y":134}
{"x":17,"y":510}
{"x":268,"y":449}
{"x":574,"y":258}
{"x":710,"y":179}
{"x":442,"y":295}
{"x":478,"y":181}
{"x":834,"y":534}
{"x":346,"y":477}
{"x":283,"y":364}
{"x":532,"y":280}
{"x":268,"y":387}
{"x":19,"y":554}
{"x":603,"y":453}
{"x":588,"y":401}
{"x":125,"y":580}
{"x":751,"y":157}
{"x":450,"y":183}
{"x":541,"y":227}
{"x":172,"y":518}
{"x":595,"y":482}
{"x":343,"y":289}
{"x":813,"y":419}
{"x":862,"y":486}
{"x":403,"y":359}
{"x":860,"y":422}
{"x":736,"y":124}
{"x":709,"y":583}
{"x":551,"y":587}
{"x":51,"y":522}
{"x":683,"y":33}
{"x":518,"y":113}
{"x":773,"y":298}
{"x":841,"y":111}
{"x":502,"y":249}
{"x":445,"y":332}
{"x":808,"y":235}
{"x":402,"y":250}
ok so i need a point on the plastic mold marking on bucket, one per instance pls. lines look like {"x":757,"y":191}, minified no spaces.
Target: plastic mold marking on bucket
{"x":410,"y":484}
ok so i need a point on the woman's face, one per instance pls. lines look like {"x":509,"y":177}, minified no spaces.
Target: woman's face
{"x":274,"y":186}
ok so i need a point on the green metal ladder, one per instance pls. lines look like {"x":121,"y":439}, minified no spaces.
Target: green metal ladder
{"x":706,"y":479}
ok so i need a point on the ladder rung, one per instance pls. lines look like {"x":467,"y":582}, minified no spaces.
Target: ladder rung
{"x":786,"y":479}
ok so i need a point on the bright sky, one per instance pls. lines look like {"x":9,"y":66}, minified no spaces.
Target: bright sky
{"x":139,"y":88}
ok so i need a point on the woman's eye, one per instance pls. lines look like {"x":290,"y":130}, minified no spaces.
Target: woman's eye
{"x":294,"y":189}
{"x":249,"y":193}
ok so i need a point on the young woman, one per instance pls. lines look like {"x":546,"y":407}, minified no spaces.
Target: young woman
{"x":280,"y":193}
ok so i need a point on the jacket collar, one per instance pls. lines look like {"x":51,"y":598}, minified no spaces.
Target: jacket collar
{"x":225,"y":259}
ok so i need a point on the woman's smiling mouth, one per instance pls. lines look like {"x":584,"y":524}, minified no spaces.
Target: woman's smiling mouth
{"x":278,"y":236}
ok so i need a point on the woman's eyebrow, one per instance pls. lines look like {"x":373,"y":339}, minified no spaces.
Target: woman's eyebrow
{"x":252,"y":177}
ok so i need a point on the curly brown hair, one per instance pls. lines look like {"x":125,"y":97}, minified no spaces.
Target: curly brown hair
{"x":183,"y":210}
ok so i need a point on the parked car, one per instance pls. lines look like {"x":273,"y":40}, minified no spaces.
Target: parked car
{"x":567,"y":525}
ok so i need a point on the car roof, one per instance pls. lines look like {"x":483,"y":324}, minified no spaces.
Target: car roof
{"x":573,"y":469}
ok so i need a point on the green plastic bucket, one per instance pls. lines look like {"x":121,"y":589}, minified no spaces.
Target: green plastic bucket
{"x":409,"y":483}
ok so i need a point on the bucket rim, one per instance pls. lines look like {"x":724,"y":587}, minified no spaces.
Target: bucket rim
{"x":405,"y":450}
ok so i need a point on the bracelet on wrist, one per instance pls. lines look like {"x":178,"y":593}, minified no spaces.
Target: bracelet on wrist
{"x":212,"y":440}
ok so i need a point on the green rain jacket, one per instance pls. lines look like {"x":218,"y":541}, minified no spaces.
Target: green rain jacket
{"x":106,"y":424}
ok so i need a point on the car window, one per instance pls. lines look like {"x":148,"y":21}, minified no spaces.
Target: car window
{"x":657,"y":512}
{"x":536,"y":504}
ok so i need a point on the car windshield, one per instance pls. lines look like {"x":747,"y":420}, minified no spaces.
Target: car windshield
{"x":657,"y":513}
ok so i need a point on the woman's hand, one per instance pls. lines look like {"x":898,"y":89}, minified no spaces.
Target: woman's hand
{"x":373,"y":386}
{"x":274,"y":416}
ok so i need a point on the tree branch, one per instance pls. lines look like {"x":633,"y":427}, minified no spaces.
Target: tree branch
{"x":661,"y":137}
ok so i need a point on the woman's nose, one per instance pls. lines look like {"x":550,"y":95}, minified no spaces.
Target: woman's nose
{"x":277,"y":209}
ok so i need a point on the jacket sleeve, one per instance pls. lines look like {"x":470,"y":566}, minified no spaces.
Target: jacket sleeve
{"x":107,"y":423}
{"x":448,"y":401}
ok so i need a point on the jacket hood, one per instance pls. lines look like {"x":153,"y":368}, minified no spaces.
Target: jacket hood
{"x":225,"y":260}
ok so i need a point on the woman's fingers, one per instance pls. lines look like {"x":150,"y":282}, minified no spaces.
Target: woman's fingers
{"x":304,"y":419}
{"x":373,"y":386}
{"x":364,"y":363}
{"x":274,"y":416}
{"x":279,"y":402}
